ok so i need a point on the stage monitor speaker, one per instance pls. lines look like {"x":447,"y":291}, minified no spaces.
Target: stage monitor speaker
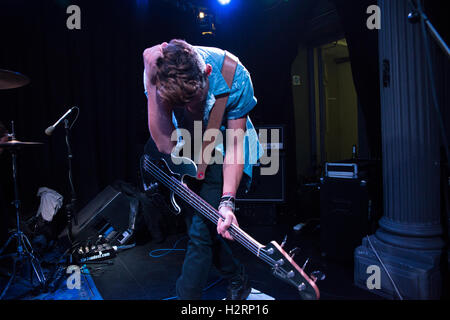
{"x":344,"y":216}
{"x":267,"y":188}
{"x":256,"y":213}
{"x":107,"y":215}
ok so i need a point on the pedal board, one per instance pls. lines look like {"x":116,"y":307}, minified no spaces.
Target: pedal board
{"x":99,"y":252}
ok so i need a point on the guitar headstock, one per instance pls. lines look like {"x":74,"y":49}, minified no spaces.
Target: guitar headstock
{"x":286,"y":269}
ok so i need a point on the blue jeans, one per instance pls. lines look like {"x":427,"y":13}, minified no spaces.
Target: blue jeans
{"x":205,"y":248}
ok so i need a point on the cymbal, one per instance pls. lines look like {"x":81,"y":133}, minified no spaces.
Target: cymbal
{"x":17,"y":143}
{"x":11,"y":79}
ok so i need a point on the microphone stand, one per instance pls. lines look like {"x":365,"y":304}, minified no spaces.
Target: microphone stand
{"x":70,"y":207}
{"x":416,"y":15}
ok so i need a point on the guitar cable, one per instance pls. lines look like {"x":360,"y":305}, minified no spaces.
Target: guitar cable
{"x":220,"y":279}
{"x":385,"y":269}
{"x":168,"y":250}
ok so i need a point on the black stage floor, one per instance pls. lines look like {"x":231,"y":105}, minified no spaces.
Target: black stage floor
{"x":135,"y":275}
{"x":145,"y":272}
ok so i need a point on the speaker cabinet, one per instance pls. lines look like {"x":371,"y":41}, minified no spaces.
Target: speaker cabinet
{"x":344,"y":216}
{"x":267,"y":188}
{"x":107,"y":214}
{"x":256,"y":213}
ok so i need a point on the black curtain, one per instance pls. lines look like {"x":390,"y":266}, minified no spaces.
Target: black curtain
{"x":364,"y":56}
{"x":99,"y":69}
{"x":363,"y":52}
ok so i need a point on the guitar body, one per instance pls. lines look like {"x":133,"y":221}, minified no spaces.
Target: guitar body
{"x":164,"y":175}
{"x":168,"y":164}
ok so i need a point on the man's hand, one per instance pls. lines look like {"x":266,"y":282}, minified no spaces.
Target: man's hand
{"x":233,"y":168}
{"x":223,"y":225}
{"x":151,"y":56}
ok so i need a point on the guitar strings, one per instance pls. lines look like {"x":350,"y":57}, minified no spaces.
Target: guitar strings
{"x":175,"y":184}
{"x":199,"y":206}
{"x":204,"y":206}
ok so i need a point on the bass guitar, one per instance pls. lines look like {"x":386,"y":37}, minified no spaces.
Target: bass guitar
{"x":164,"y":174}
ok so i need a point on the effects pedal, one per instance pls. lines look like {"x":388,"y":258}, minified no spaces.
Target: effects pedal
{"x":95,"y":253}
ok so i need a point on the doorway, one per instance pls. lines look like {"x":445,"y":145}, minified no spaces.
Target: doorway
{"x":339,"y":109}
{"x":327,"y":118}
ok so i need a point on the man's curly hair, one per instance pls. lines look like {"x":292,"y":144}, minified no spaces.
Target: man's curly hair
{"x":180,"y":73}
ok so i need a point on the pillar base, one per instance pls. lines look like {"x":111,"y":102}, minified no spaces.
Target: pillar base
{"x":415,"y":273}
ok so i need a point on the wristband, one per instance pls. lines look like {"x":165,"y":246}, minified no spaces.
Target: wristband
{"x":227,"y":201}
{"x":229,"y":194}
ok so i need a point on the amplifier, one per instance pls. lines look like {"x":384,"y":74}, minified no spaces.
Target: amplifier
{"x":106,"y":215}
{"x":251,"y":214}
{"x":341,"y":170}
{"x":345,"y":216}
{"x":267,"y":188}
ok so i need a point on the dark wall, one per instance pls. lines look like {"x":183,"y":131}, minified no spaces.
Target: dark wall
{"x":99,"y":69}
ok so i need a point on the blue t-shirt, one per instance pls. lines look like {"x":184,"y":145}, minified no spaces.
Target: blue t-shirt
{"x":240,"y":102}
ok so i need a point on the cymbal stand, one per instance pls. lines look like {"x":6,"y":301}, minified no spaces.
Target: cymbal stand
{"x":24,"y":249}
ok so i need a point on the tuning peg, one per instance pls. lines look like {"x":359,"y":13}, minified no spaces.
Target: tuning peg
{"x":318,"y":275}
{"x":293,"y":252}
{"x":304,"y":265}
{"x":284,"y":241}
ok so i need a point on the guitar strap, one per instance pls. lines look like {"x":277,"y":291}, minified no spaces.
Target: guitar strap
{"x":216,"y":116}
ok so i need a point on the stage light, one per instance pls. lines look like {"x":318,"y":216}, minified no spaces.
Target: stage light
{"x":224,"y":2}
{"x":206,"y":21}
{"x":142,"y":3}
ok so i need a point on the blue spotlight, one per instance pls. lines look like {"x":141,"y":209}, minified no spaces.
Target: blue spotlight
{"x":142,"y":3}
{"x":224,"y":2}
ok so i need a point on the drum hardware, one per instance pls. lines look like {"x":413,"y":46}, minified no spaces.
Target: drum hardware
{"x":24,"y":250}
{"x":16,"y":144}
{"x":11,"y":79}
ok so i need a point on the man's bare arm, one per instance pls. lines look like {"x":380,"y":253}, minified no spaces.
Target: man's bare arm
{"x":233,"y":166}
{"x":159,"y":113}
{"x":233,"y":169}
{"x":160,"y":123}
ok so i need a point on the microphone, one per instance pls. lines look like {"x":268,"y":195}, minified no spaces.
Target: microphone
{"x":50,"y":129}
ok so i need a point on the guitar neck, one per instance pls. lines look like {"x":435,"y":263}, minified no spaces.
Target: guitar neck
{"x":203,"y":207}
{"x":213,"y":215}
{"x":282,"y":265}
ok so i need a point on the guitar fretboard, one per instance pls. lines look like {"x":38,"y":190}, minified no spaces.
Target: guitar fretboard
{"x":206,"y":209}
